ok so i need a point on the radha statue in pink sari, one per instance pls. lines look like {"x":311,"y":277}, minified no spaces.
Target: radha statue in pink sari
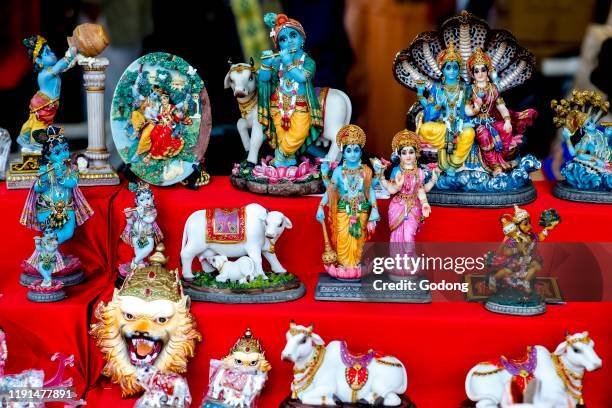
{"x":409,"y":206}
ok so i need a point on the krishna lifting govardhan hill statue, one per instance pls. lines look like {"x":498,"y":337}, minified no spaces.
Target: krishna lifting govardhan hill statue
{"x":292,"y":115}
{"x":459,"y":73}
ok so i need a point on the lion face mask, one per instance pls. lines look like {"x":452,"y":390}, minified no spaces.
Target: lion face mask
{"x":147,"y":322}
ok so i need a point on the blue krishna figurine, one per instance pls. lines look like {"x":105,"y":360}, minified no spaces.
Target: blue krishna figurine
{"x":56,"y":206}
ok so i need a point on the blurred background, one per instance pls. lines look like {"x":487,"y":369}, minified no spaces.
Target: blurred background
{"x":353,"y":43}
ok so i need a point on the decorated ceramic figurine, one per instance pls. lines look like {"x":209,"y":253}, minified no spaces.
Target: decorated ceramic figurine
{"x":515,"y":264}
{"x":238,"y":379}
{"x":3,"y":351}
{"x":353,"y":212}
{"x":588,"y":172}
{"x":141,"y":230}
{"x":292,"y":115}
{"x":162,"y":390}
{"x":459,"y":73}
{"x":56,"y":206}
{"x":323,"y":373}
{"x":160,"y":119}
{"x":409,"y":206}
{"x":247,"y":233}
{"x":147,"y":323}
{"x":559,"y":373}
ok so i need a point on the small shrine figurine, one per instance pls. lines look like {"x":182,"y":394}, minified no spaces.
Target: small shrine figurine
{"x":247,"y":233}
{"x":559,"y":373}
{"x":516,"y":263}
{"x":588,"y":171}
{"x":238,"y":379}
{"x":56,"y":206}
{"x":286,"y":110}
{"x":459,"y":73}
{"x":3,"y":351}
{"x":330,"y":374}
{"x":353,"y":212}
{"x":162,"y":390}
{"x":146,"y":323}
{"x":141,"y":230}
{"x":409,"y":206}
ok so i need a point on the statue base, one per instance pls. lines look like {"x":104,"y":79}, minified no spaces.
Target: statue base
{"x":22,"y":174}
{"x":482,"y":199}
{"x":566,"y":192}
{"x":40,"y":294}
{"x":283,"y":188}
{"x":516,"y":310}
{"x":369,"y":289}
{"x":293,"y":403}
{"x":275,"y":290}
{"x":104,"y":176}
{"x":471,"y":404}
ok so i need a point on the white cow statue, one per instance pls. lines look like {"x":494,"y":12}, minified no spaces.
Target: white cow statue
{"x":262,"y":230}
{"x":324,"y":373}
{"x":242,"y":270}
{"x":559,"y":375}
{"x":242,"y":78}
{"x":162,"y":390}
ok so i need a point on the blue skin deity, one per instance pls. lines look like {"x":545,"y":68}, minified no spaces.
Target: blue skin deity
{"x":54,"y":188}
{"x":290,"y":42}
{"x":351,"y":160}
{"x":45,"y":103}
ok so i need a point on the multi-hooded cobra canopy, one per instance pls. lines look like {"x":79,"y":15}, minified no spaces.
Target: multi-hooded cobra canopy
{"x":418,"y":63}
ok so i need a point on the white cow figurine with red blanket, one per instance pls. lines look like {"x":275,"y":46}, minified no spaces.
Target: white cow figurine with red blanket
{"x":162,"y":390}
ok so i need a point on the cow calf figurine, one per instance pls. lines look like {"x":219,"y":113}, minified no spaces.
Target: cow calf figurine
{"x":162,"y":390}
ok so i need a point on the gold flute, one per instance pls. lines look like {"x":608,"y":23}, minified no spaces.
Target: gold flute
{"x":275,"y":55}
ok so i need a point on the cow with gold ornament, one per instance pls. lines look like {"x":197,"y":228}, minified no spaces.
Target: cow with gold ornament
{"x":147,"y":322}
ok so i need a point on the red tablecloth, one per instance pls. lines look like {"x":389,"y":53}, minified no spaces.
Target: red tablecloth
{"x":437,"y":342}
{"x":36,"y":331}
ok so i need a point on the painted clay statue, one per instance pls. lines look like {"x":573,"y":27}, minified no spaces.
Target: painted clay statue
{"x":353,"y":212}
{"x":247,"y":233}
{"x":559,"y":374}
{"x":279,"y":103}
{"x":56,"y":206}
{"x":588,"y":171}
{"x":147,"y":323}
{"x":323,"y":373}
{"x":515,"y":264}
{"x":238,"y":379}
{"x":459,"y":73}
{"x":162,"y":390}
{"x":141,"y":230}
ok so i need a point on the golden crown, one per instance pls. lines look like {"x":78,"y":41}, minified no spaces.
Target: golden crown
{"x":247,"y":344}
{"x":519,"y":214}
{"x":153,"y":282}
{"x":406,"y":138}
{"x":449,"y":54}
{"x":479,"y":57}
{"x":350,"y":134}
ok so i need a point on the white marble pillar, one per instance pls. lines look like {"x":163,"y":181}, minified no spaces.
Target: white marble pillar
{"x":99,"y":171}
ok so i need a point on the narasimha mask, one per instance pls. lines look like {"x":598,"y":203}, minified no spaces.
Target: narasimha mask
{"x":147,"y":322}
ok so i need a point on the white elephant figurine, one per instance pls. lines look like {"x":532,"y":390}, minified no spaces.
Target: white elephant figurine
{"x":162,"y":389}
{"x":242,"y":78}
{"x":322,"y":373}
{"x":242,"y":270}
{"x":251,"y":230}
{"x":559,"y":374}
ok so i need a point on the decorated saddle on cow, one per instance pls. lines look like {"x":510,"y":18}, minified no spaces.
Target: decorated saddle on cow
{"x":522,"y":371}
{"x":226,"y":225}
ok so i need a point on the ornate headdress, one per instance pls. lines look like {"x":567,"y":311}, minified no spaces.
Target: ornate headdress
{"x":406,"y":138}
{"x":247,"y":344}
{"x":508,"y":225}
{"x":153,"y":282}
{"x":448,"y":55}
{"x":159,"y":90}
{"x":55,"y":133}
{"x":34,"y":44}
{"x":572,"y":112}
{"x":350,"y":134}
{"x":519,"y":214}
{"x":140,"y":187}
{"x":276,"y":22}
{"x":479,"y":57}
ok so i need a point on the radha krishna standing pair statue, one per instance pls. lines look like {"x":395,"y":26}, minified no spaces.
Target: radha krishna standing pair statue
{"x":459,"y":73}
{"x":292,"y":115}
